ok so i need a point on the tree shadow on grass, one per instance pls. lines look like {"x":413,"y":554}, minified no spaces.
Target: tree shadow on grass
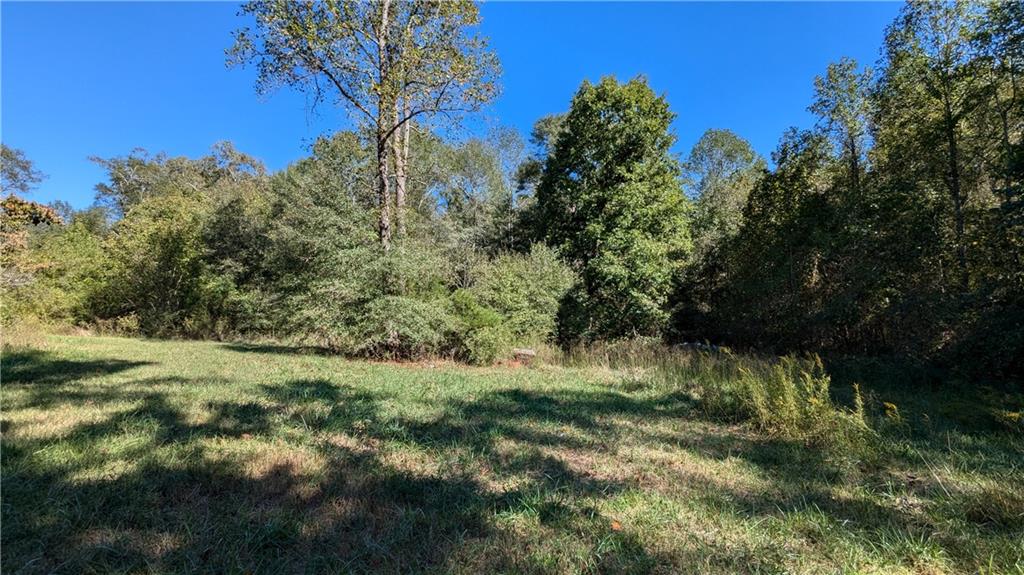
{"x":274,"y":511}
{"x":205,"y":513}
{"x":323,"y":406}
{"x":50,"y":396}
{"x":35,"y":367}
{"x":155,"y":489}
{"x":151,"y":487}
{"x":276,"y":349}
{"x":801,"y":478}
{"x":891,"y":504}
{"x":578,"y":419}
{"x":862,"y":496}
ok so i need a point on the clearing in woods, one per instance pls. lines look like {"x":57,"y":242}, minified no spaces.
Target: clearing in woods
{"x":162,"y":456}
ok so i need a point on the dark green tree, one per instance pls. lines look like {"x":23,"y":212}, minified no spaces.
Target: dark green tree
{"x":775,"y":263}
{"x":610,"y":201}
{"x":933,"y":83}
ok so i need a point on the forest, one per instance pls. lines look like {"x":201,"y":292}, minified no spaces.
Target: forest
{"x":893,"y":226}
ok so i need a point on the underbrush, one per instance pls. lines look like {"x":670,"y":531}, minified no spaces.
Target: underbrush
{"x":23,"y":333}
{"x":418,"y":301}
{"x":787,"y":397}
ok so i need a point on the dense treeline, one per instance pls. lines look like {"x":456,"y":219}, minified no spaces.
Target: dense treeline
{"x":217,"y":247}
{"x":893,"y":226}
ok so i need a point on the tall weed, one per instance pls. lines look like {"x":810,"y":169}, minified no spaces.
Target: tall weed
{"x":787,"y":397}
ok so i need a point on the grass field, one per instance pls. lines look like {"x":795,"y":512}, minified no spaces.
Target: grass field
{"x":125,"y":455}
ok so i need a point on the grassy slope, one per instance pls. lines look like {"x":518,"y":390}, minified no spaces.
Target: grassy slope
{"x":127,"y":455}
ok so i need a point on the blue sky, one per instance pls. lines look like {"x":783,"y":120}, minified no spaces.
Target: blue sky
{"x":82,"y":79}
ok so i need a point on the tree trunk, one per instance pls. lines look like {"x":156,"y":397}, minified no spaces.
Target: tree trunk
{"x":400,"y":151}
{"x":956,"y":194}
{"x":854,"y":164}
{"x":383,"y":193}
{"x":384,"y":109}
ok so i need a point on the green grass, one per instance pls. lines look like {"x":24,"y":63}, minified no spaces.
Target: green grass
{"x":124,"y":455}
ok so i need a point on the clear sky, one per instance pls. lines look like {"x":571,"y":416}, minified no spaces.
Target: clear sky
{"x":83,"y":79}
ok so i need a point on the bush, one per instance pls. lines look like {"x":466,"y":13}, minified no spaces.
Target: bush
{"x":417,"y":269}
{"x":22,"y":332}
{"x":526,"y":290}
{"x":485,"y":345}
{"x":161,"y":275}
{"x":339,"y":297}
{"x":224,"y":309}
{"x":156,"y":264}
{"x":396,"y":327}
{"x":482,"y":336}
{"x":786,"y":397}
{"x":126,"y":325}
{"x":791,"y":397}
{"x":67,"y":264}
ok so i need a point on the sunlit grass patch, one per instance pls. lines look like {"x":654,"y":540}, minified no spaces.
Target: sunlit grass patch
{"x":127,"y":455}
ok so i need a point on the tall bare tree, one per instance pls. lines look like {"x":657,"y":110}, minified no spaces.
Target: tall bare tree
{"x":388,"y":62}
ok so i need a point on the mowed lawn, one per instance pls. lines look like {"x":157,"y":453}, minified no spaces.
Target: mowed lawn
{"x":124,"y":455}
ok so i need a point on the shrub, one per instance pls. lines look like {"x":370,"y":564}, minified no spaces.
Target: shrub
{"x":157,"y":266}
{"x":397,"y":327}
{"x":791,"y":397}
{"x":340,"y":299}
{"x":525,"y":289}
{"x":224,"y":309}
{"x":480,"y":331}
{"x":329,"y":283}
{"x":786,"y":397}
{"x":162,"y":275}
{"x":416,"y":269}
{"x":72,"y":268}
{"x":126,"y":325}
{"x":22,"y":223}
{"x":22,"y":332}
{"x":65,"y":266}
{"x":485,"y":345}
